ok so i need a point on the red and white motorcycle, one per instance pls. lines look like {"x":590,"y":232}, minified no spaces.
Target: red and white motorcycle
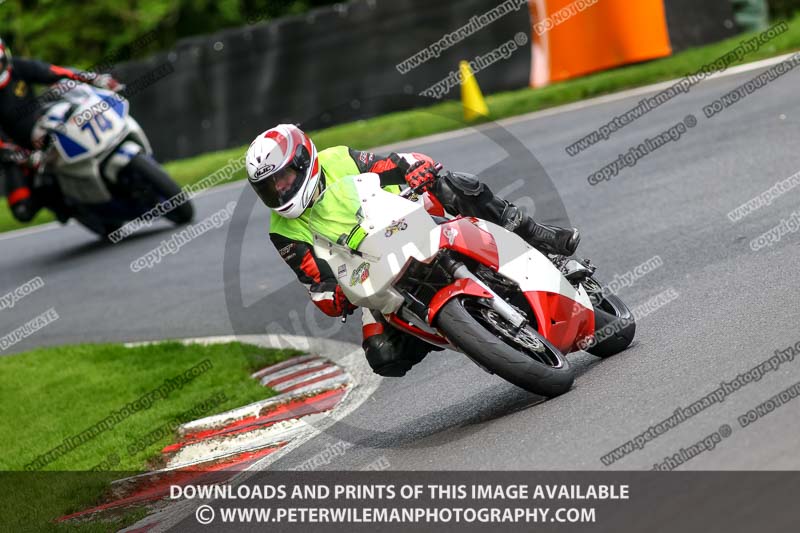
{"x":465,"y":284}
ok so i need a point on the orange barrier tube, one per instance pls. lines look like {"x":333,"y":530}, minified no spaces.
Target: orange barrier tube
{"x":572,"y":38}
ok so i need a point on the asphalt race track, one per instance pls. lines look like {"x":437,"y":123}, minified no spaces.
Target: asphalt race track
{"x":735,"y":306}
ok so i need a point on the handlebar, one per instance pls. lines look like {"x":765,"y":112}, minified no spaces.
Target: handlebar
{"x":408,"y":192}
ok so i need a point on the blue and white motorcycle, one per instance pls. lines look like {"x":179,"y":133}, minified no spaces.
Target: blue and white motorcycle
{"x":101,"y":161}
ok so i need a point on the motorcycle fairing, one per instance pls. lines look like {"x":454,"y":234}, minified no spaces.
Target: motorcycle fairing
{"x":89,"y":128}
{"x":458,"y":288}
{"x":564,"y":315}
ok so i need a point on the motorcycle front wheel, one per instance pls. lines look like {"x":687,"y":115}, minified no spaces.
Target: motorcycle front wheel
{"x":144,"y":175}
{"x":524,"y":358}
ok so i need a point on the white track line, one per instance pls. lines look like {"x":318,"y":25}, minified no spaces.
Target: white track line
{"x":325,"y":384}
{"x":289,"y":370}
{"x":280,"y":366}
{"x":349,"y":356}
{"x":455,"y":134}
{"x":583,"y":104}
{"x":22,"y":232}
{"x":306,"y":377}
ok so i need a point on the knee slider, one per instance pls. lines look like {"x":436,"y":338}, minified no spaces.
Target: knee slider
{"x":23,"y":210}
{"x":464,"y":183}
{"x":453,"y":190}
{"x":397,"y":369}
{"x":386,"y":355}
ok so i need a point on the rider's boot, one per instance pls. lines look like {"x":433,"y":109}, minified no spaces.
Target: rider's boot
{"x":390,"y":352}
{"x":465,"y":195}
{"x":51,"y":198}
{"x":382,"y":353}
{"x":549,"y":239}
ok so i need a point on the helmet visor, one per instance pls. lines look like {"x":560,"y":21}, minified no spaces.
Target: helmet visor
{"x":278,"y":189}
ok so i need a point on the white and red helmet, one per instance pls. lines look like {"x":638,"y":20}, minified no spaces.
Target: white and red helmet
{"x":283,"y":168}
{"x":5,"y":64}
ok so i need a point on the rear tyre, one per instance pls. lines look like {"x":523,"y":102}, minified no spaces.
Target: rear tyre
{"x":614,"y":323}
{"x":525,"y":359}
{"x":149,"y":174}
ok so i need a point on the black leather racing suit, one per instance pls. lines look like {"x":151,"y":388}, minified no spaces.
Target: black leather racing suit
{"x":19,"y":110}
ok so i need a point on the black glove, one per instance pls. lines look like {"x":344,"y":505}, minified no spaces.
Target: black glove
{"x":11,"y":153}
{"x":106,"y":81}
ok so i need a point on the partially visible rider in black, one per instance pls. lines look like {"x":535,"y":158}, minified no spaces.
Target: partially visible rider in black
{"x":19,"y":111}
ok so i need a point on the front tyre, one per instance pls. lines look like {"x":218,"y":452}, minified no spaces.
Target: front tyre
{"x":144,"y":174}
{"x":100,"y":227}
{"x":523,"y":358}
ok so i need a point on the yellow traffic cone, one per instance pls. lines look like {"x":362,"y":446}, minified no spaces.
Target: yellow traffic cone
{"x":471,"y":97}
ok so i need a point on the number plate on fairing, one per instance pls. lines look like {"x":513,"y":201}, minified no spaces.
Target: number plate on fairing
{"x":96,"y":124}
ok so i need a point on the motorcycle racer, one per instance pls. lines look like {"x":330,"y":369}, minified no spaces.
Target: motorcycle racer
{"x":19,"y":111}
{"x":288,"y":174}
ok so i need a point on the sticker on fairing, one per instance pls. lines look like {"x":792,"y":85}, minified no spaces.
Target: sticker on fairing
{"x":450,"y":234}
{"x":395,"y":226}
{"x":360,"y":274}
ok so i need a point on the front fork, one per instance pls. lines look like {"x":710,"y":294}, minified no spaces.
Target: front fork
{"x":459,"y":271}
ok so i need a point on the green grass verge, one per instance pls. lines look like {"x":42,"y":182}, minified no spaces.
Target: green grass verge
{"x":55,"y":393}
{"x":447,"y":116}
{"x":8,"y":222}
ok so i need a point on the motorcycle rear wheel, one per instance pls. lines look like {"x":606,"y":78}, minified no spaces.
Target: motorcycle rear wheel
{"x":526,"y":359}
{"x":610,"y":312}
